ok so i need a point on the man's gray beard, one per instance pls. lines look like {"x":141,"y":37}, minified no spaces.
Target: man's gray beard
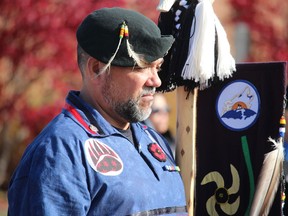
{"x":131,"y":111}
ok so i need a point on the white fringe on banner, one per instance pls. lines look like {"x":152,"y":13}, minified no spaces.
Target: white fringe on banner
{"x":200,"y":64}
{"x":225,"y":62}
{"x":165,"y":5}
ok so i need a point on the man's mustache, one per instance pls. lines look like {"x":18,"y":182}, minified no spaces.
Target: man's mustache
{"x":148,"y":90}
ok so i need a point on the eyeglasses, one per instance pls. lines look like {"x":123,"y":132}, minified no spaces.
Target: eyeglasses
{"x":160,"y":110}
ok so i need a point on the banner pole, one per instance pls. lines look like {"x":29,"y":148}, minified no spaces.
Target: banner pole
{"x":186,"y":142}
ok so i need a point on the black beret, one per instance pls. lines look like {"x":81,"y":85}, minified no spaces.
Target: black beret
{"x":98,"y":35}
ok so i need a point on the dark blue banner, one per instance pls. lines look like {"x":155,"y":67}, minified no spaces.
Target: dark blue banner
{"x":235,"y":119}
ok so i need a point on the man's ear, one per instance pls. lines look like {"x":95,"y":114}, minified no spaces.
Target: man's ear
{"x":93,"y":67}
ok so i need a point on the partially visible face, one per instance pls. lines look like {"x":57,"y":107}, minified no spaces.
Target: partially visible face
{"x":129,"y":91}
{"x":160,"y":114}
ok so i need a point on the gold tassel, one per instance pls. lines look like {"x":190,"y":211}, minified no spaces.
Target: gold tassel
{"x":269,"y":179}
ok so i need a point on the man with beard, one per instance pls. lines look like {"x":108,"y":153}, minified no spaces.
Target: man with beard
{"x":95,"y":158}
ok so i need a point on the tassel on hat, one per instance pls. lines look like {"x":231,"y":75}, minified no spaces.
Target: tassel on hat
{"x":121,"y":35}
{"x":124,"y":33}
{"x":138,"y":58}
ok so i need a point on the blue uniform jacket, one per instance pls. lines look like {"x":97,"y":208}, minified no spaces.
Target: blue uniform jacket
{"x":80,"y":165}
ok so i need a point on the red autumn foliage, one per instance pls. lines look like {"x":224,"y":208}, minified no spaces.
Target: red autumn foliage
{"x":38,"y":65}
{"x":267,"y":21}
{"x":38,"y":37}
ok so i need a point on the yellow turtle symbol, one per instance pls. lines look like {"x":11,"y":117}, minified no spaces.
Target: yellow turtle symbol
{"x":221,"y":195}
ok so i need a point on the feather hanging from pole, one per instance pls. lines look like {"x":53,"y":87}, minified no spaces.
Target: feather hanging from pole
{"x":269,"y":179}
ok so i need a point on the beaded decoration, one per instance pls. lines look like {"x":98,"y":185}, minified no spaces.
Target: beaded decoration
{"x":124,"y":34}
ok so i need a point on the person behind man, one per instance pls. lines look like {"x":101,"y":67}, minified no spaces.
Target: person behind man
{"x":95,"y":158}
{"x":159,"y":119}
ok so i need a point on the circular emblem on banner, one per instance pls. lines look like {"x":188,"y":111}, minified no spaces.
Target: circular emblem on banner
{"x":238,"y":105}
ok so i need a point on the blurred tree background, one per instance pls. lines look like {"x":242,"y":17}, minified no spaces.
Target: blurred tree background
{"x":267,"y":28}
{"x":38,"y":57}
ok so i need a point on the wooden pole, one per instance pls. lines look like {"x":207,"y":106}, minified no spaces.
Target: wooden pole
{"x":186,"y":142}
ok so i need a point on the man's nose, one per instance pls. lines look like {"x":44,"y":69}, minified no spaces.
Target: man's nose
{"x":154,"y":79}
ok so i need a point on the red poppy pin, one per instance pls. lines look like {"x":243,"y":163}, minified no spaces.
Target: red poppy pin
{"x":157,"y":152}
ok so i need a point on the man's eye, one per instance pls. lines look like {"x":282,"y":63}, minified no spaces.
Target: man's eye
{"x":138,"y":69}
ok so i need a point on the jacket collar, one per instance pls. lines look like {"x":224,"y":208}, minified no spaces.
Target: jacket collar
{"x":89,"y":118}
